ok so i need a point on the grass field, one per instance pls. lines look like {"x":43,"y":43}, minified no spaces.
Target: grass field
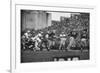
{"x":45,"y":56}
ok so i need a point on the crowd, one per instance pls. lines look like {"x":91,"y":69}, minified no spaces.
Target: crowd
{"x":49,"y":40}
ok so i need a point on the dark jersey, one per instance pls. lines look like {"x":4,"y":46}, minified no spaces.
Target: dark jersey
{"x":51,"y":34}
{"x":73,"y":34}
{"x":84,"y":35}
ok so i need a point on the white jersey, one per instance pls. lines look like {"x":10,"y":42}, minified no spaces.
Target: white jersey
{"x":36,"y":38}
{"x":63,"y":39}
{"x":26,"y":35}
{"x":47,"y":36}
{"x":72,"y":41}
